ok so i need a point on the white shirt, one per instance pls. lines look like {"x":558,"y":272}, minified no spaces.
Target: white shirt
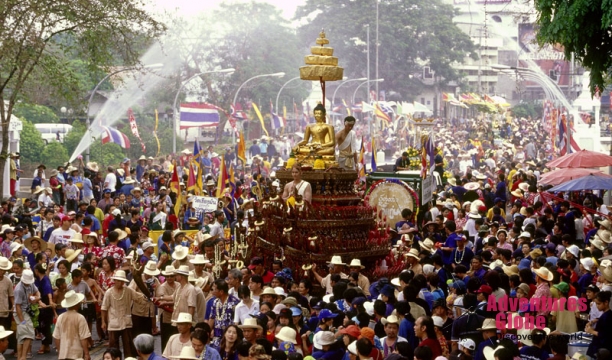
{"x":470,"y":226}
{"x":603,"y":209}
{"x":242,"y":312}
{"x":217,"y":229}
{"x":61,"y":236}
{"x":110,"y":182}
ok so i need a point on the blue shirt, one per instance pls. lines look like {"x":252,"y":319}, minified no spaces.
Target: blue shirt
{"x":211,"y":354}
{"x":406,"y":330}
{"x":139,"y":171}
{"x":95,"y":223}
{"x":87,"y":188}
{"x":479,"y":355}
{"x":263,"y":147}
{"x":154,"y":356}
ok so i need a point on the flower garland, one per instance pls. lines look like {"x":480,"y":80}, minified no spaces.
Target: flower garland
{"x":462,"y":255}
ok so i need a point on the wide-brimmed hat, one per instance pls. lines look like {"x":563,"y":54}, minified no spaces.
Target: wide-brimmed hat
{"x":184,"y":318}
{"x":606,"y":269}
{"x":15,"y":246}
{"x":269,"y":291}
{"x":489,"y":352}
{"x":488,"y":324}
{"x":72,"y":298}
{"x":5,"y":264}
{"x":28,"y":243}
{"x":596,"y":241}
{"x":27,"y":277}
{"x":604,"y":235}
{"x":606,"y":223}
{"x":510,"y":270}
{"x":427,"y":244}
{"x":413,"y":253}
{"x":187,"y":352}
{"x":473,"y":214}
{"x":180,"y":252}
{"x":336,"y":260}
{"x":210,"y":183}
{"x":544,"y":273}
{"x":199,"y":259}
{"x":524,"y":187}
{"x":323,"y":338}
{"x":120,"y":276}
{"x":151,"y":268}
{"x":517,"y":193}
{"x":290,"y":301}
{"x":356,"y":263}
{"x":168,"y":271}
{"x":72,"y":254}
{"x":77,"y":238}
{"x":136,"y":189}
{"x":289,"y":335}
{"x":471,"y":186}
{"x":53,"y":173}
{"x":452,"y":181}
{"x":4,"y":333}
{"x":182,"y":270}
{"x":391,"y":319}
{"x":250,"y":323}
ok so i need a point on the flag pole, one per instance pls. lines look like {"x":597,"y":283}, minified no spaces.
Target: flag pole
{"x":569,"y":135}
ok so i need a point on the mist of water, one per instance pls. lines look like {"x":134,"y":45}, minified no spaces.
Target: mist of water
{"x":136,"y":85}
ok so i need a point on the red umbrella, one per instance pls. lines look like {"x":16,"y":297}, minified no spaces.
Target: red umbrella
{"x":581,"y":159}
{"x":557,"y":177}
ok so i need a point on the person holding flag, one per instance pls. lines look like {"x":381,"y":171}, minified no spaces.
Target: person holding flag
{"x":347,"y":145}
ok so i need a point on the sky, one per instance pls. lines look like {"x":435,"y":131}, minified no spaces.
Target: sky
{"x":191,"y":8}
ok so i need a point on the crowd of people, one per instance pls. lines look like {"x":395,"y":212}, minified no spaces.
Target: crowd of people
{"x":80,"y":251}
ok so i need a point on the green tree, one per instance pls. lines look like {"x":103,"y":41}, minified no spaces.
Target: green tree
{"x":254,"y":39}
{"x":36,"y":114}
{"x":54,"y":155}
{"x":582,"y":28}
{"x":40,"y":38}
{"x":31,"y":144}
{"x":411,"y":34}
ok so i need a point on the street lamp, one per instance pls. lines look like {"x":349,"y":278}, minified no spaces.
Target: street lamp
{"x":278,"y":74}
{"x":363,"y":83}
{"x":281,"y":89}
{"x":342,"y":83}
{"x":152,"y":66}
{"x":175,"y":112}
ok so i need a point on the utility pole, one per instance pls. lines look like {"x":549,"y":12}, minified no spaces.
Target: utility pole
{"x":368,"y":60}
{"x":377,"y":93}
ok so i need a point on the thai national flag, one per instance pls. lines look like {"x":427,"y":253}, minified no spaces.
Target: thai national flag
{"x":198,"y":115}
{"x":111,"y":135}
{"x":237,"y":112}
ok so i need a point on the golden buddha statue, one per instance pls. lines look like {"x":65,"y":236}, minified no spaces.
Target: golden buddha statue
{"x":322,"y":135}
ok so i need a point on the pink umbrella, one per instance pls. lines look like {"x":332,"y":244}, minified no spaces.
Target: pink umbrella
{"x":581,"y":159}
{"x":560,"y":176}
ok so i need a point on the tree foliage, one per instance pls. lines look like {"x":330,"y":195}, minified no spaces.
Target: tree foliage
{"x":36,"y":114}
{"x":411,"y":34}
{"x":54,"y":154}
{"x":527,"y":109}
{"x":40,"y":37}
{"x":582,"y":27}
{"x":254,"y":39}
{"x":31,"y":144}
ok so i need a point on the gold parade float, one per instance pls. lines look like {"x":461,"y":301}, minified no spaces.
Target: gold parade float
{"x":336,"y":221}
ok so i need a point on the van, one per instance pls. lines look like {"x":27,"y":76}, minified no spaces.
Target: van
{"x":53,"y":132}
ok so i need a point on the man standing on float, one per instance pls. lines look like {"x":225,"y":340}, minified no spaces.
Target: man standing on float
{"x":347,"y":145}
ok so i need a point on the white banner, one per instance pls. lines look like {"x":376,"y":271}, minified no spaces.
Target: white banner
{"x":205,"y":204}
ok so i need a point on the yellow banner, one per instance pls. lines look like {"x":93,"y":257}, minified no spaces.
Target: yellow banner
{"x":261,"y":120}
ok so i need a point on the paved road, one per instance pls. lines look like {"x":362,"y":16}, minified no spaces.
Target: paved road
{"x":96,"y":353}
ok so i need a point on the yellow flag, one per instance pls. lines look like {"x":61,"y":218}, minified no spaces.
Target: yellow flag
{"x":242,"y":147}
{"x":222,"y":177}
{"x":261,"y":120}
{"x":348,"y":109}
{"x":199,"y":186}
